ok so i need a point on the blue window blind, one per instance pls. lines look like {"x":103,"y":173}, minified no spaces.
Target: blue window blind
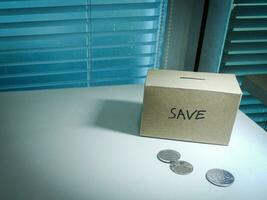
{"x":245,"y":50}
{"x":78,"y":43}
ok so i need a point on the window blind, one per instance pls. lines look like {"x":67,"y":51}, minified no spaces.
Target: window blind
{"x":245,"y":50}
{"x":78,"y":43}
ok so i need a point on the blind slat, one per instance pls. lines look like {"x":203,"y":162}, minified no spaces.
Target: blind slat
{"x":258,"y":117}
{"x":250,"y":25}
{"x":250,"y":100}
{"x":43,"y":79}
{"x":118,"y":81}
{"x":247,"y":37}
{"x":35,"y":57}
{"x":257,"y":108}
{"x":119,"y":74}
{"x":39,"y":4}
{"x":252,"y":48}
{"x":242,"y":70}
{"x":250,"y":2}
{"x":47,"y":85}
{"x":250,"y":59}
{"x":251,"y":12}
{"x":43,"y":68}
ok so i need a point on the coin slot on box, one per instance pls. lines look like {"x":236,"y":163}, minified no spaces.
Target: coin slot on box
{"x":192,"y":78}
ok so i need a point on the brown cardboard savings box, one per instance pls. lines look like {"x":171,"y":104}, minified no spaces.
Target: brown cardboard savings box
{"x":190,"y":106}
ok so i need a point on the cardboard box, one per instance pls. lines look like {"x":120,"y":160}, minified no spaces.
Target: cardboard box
{"x":190,"y":106}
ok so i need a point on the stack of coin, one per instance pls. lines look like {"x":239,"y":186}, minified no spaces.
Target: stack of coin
{"x":177,"y":166}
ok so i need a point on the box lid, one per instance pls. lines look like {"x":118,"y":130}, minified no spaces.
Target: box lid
{"x":193,"y":80}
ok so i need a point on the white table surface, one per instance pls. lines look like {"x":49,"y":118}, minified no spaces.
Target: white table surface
{"x":76,"y":144}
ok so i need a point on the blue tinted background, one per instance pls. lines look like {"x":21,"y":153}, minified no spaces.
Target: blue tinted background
{"x":79,"y":43}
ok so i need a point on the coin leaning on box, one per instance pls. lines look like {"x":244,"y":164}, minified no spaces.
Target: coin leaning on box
{"x":218,"y":177}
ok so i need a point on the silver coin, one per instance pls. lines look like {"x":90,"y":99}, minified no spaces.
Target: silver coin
{"x":168,"y":156}
{"x":220,"y":177}
{"x":181,"y":167}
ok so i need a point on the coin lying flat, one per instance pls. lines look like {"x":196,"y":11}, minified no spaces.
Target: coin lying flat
{"x":181,"y":167}
{"x":220,"y":177}
{"x":168,"y":156}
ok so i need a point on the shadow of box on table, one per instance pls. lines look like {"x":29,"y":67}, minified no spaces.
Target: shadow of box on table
{"x":119,"y":115}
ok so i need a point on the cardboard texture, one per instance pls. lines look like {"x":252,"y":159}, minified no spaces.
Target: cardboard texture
{"x":190,"y":106}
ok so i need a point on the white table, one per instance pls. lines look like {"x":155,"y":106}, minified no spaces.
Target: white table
{"x":75,"y":144}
